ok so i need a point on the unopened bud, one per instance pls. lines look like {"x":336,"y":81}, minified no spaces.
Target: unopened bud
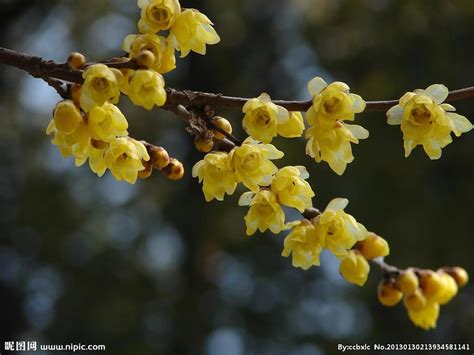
{"x":146,"y":59}
{"x":415,"y":301}
{"x":76,"y":60}
{"x":204,"y":145}
{"x":159,"y":157}
{"x":174,"y":170}
{"x":223,"y":124}
{"x":373,"y":247}
{"x":407,"y":282}
{"x":388,"y":293}
{"x":458,"y":274}
{"x":146,"y":173}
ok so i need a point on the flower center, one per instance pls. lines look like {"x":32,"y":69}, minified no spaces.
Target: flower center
{"x":160,"y":14}
{"x":251,"y":162}
{"x":263,"y":118}
{"x":421,"y":115}
{"x":331,"y":105}
{"x":100,"y":84}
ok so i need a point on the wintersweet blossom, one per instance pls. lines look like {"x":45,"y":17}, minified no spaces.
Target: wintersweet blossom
{"x":191,"y":31}
{"x":426,"y":121}
{"x":264,"y":213}
{"x":157,"y":15}
{"x":291,"y":188}
{"x":302,"y":244}
{"x":216,"y":176}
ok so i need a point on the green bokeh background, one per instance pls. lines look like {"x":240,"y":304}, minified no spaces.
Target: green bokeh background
{"x":154,"y":269}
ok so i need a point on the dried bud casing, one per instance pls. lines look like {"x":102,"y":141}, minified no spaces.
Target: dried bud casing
{"x":159,"y":157}
{"x":174,"y":170}
{"x":76,"y":60}
{"x":223,"y":124}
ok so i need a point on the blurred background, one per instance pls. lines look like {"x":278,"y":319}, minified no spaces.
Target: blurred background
{"x":154,"y":269}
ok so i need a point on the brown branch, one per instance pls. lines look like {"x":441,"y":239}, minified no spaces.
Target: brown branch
{"x":41,"y":68}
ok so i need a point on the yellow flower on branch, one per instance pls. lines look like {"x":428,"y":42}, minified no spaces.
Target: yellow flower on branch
{"x":124,"y":159}
{"x":157,"y":15}
{"x":145,"y":88}
{"x":262,"y":118}
{"x":426,"y":121}
{"x":337,"y":230}
{"x":426,"y":316}
{"x":101,"y":84}
{"x":291,"y":188}
{"x":334,"y":101}
{"x":164,"y":59}
{"x":264,"y":213}
{"x":66,"y":116}
{"x":252,"y":163}
{"x":191,"y":31}
{"x":303,"y":244}
{"x":216,"y":176}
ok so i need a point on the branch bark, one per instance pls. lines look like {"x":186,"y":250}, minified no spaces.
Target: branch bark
{"x":41,"y":68}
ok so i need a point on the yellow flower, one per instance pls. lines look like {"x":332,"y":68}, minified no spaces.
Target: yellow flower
{"x":251,"y":162}
{"x":426,"y":121}
{"x":191,"y":31}
{"x":67,"y":116}
{"x":293,"y":128}
{"x":291,"y":188}
{"x":74,"y":144}
{"x":303,"y":245}
{"x":334,"y":101}
{"x":96,"y":153}
{"x":354,"y":268}
{"x":215,"y":174}
{"x":331,"y":142}
{"x":107,"y":122}
{"x":101,"y":84}
{"x":337,"y":230}
{"x":165,"y":60}
{"x":262,"y":117}
{"x":265,"y":212}
{"x":157,"y":15}
{"x":124,"y":159}
{"x":425,"y":317}
{"x":145,"y":88}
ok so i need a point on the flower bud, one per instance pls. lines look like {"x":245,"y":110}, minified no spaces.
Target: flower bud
{"x":76,"y":60}
{"x":388,"y":294}
{"x":174,"y":170}
{"x":354,"y":268}
{"x":458,"y":274}
{"x":146,"y":173}
{"x":203,"y":144}
{"x":431,"y":284}
{"x":450,"y":288}
{"x":415,"y":301}
{"x":223,"y":124}
{"x":159,"y":157}
{"x":407,"y":282}
{"x":146,"y":59}
{"x":373,"y":247}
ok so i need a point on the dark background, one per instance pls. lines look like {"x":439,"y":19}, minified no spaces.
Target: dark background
{"x":154,"y":269}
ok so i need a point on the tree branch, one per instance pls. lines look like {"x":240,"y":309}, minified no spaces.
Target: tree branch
{"x":41,"y":68}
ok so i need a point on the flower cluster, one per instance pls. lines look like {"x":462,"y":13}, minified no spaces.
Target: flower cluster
{"x":91,"y":128}
{"x":329,"y":138}
{"x":341,"y":234}
{"x":422,"y":291}
{"x":426,"y":121}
